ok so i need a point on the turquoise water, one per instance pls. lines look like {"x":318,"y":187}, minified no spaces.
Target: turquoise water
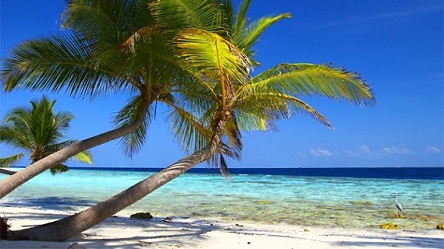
{"x":314,"y":201}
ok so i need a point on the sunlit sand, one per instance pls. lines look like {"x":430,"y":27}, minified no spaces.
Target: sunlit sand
{"x":122,"y":232}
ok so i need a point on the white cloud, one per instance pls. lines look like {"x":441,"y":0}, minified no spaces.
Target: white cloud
{"x":364,"y":149}
{"x":351,"y":153}
{"x":397,"y":150}
{"x":432,"y":150}
{"x":321,"y":152}
{"x":359,"y":150}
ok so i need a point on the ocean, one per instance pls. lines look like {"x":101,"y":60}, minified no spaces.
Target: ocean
{"x":327,"y":197}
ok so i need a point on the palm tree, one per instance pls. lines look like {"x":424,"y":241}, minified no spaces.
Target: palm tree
{"x":112,"y":46}
{"x":38,"y":131}
{"x":230,"y":101}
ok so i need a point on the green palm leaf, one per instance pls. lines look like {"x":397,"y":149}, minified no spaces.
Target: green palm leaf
{"x":309,"y":79}
{"x":108,"y":21}
{"x":57,"y":169}
{"x":188,"y":129}
{"x":15,"y":135}
{"x":9,"y":161}
{"x":84,"y":157}
{"x":248,"y":36}
{"x":177,"y":15}
{"x":48,"y":127}
{"x":133,"y":142}
{"x":215,"y":58}
{"x":241,"y":20}
{"x":270,"y":107}
{"x":59,"y":63}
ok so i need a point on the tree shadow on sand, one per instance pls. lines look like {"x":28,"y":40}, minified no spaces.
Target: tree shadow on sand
{"x":123,"y":232}
{"x":392,"y":241}
{"x":169,"y":235}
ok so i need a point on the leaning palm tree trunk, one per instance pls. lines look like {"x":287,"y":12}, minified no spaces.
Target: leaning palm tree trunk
{"x":70,"y":226}
{"x":15,"y":180}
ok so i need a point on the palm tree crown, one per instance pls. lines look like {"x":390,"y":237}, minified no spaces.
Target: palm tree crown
{"x":38,"y":132}
{"x":223,"y":60}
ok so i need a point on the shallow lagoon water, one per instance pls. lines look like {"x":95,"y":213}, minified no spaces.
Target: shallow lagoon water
{"x":313,"y":201}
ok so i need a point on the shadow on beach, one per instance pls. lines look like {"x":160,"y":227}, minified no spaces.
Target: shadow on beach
{"x":389,"y":241}
{"x":184,"y":232}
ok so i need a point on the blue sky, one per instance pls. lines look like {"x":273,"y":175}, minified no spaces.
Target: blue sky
{"x":396,"y":46}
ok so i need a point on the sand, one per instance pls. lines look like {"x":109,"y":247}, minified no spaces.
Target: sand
{"x":124,"y":232}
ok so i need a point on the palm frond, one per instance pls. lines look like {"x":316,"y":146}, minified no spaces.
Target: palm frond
{"x":310,"y":79}
{"x":217,"y":59}
{"x":270,"y":107}
{"x":144,"y":33}
{"x":247,"y":37}
{"x":153,"y":58}
{"x":241,"y":20}
{"x":296,"y":105}
{"x":9,"y":161}
{"x":15,"y":136}
{"x":234,"y":135}
{"x":188,"y":129}
{"x":253,"y":120}
{"x":59,"y":169}
{"x":61,"y":121}
{"x":228,"y":16}
{"x":84,"y":157}
{"x":223,"y":166}
{"x":60,"y":63}
{"x":46,"y":126}
{"x":109,"y":21}
{"x":127,"y":115}
{"x":90,"y":19}
{"x":177,"y":15}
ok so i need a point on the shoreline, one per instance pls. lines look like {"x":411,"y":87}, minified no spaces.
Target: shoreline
{"x":123,"y":232}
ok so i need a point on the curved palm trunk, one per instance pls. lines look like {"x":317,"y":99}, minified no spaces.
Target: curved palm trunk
{"x":70,"y":226}
{"x":15,"y":180}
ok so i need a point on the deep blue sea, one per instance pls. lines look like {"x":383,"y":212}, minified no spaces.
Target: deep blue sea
{"x":328,"y":197}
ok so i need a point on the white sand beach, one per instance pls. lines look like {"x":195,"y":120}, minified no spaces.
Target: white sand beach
{"x":124,"y":232}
